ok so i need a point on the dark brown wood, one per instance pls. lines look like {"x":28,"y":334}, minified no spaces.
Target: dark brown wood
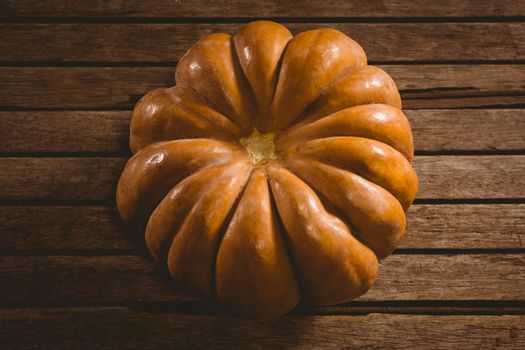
{"x":65,"y":131}
{"x":87,"y":228}
{"x":422,"y":86}
{"x":467,"y":130}
{"x":119,"y":279}
{"x":262,"y":8}
{"x":96,"y":178}
{"x":71,"y":275}
{"x":79,"y":88}
{"x":59,"y":178}
{"x":441,"y":308}
{"x":37,"y":228}
{"x":108,"y":131}
{"x":118,"y":327}
{"x":168,"y":42}
{"x":470,"y":176}
{"x":466,"y":226}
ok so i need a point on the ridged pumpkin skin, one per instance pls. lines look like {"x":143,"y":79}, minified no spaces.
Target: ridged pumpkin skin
{"x":277,"y":169}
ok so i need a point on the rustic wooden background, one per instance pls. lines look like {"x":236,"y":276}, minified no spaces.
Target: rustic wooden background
{"x":70,"y":277}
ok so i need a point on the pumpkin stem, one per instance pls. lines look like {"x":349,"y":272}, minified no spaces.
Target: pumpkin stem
{"x":260,"y":147}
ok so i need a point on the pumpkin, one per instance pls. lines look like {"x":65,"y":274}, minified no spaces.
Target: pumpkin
{"x":278,"y":169}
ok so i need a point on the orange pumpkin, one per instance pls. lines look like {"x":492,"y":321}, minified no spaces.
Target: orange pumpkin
{"x":277,"y":169}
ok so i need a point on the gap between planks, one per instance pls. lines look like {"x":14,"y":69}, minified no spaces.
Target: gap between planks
{"x":409,"y":307}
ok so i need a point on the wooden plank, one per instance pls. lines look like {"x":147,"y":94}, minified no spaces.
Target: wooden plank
{"x":422,"y":86}
{"x":79,"y":88}
{"x":123,"y":279}
{"x":471,"y":176}
{"x":59,"y":178}
{"x":262,"y":8}
{"x":467,"y":130}
{"x":119,"y":328}
{"x":57,"y":228}
{"x":108,"y":131}
{"x":444,"y":177}
{"x":168,"y":42}
{"x":88,"y":228}
{"x":466,"y":226}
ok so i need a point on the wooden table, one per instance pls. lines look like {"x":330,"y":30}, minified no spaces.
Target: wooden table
{"x":71,"y":277}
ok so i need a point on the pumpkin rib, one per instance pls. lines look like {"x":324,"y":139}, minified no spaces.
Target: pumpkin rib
{"x":333,"y":266}
{"x":235,"y":130}
{"x":294,"y":90}
{"x":212,"y":104}
{"x":193,"y":251}
{"x":282,"y":228}
{"x":378,"y":122}
{"x":247,"y":92}
{"x":301,"y":116}
{"x":224,"y":227}
{"x":254,"y":274}
{"x":211,"y":67}
{"x":176,"y":113}
{"x":332,"y":209}
{"x":372,"y":160}
{"x":259,"y":47}
{"x":153,"y":171}
{"x":380,"y":218}
{"x":170,"y":213}
{"x":361,"y":86}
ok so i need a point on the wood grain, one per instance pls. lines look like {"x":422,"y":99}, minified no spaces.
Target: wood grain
{"x":117,"y":327}
{"x":422,"y":86}
{"x":56,"y":228}
{"x":59,"y":178}
{"x":467,"y":130}
{"x":465,"y":226}
{"x":73,"y":278}
{"x":73,"y":179}
{"x":108,"y":131}
{"x":77,"y":279}
{"x":168,"y":42}
{"x":79,"y":88}
{"x":262,"y":8}
{"x":471,"y":176}
{"x":98,"y":228}
{"x":42,"y":131}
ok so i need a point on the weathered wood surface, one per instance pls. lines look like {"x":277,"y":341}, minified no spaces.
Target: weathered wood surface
{"x":124,"y":279}
{"x":440,"y":177}
{"x":467,"y":130}
{"x":59,"y":178}
{"x":118,"y":327}
{"x":168,"y":42}
{"x":262,"y":8}
{"x":108,"y":131}
{"x":72,"y":131}
{"x":73,"y":278}
{"x":421,"y":86}
{"x":54,"y":228}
